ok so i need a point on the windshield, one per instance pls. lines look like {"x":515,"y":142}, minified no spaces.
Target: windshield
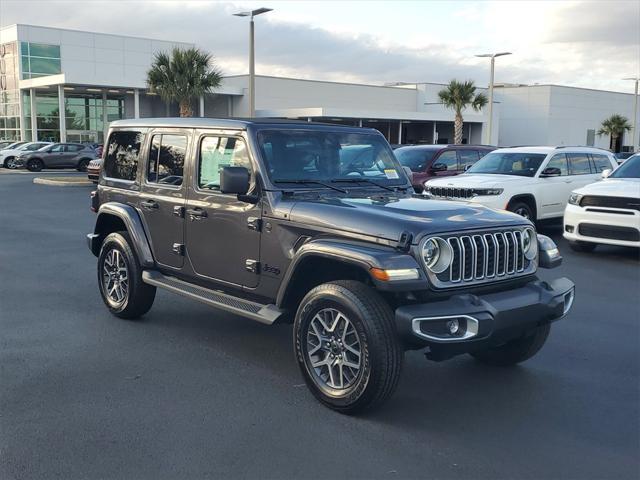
{"x":504,"y":163}
{"x":629,"y":169}
{"x":328,"y":156}
{"x":414,"y":158}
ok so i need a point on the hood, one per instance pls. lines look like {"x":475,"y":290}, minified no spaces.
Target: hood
{"x":388,"y":217}
{"x":469,"y":180}
{"x":613,"y":187}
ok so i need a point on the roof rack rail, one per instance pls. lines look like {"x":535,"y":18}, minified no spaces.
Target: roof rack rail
{"x":581,"y":146}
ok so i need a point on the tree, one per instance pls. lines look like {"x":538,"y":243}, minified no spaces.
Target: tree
{"x":614,"y":126}
{"x":183,"y":76}
{"x":458,"y":96}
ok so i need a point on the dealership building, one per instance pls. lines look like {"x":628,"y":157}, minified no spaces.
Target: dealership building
{"x":95,"y":78}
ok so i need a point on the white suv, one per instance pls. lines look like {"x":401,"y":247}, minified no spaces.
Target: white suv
{"x":534,"y":182}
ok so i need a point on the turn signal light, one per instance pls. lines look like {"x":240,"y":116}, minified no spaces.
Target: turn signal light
{"x":395,"y":274}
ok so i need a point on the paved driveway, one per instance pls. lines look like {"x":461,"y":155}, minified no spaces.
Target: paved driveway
{"x":191,"y":392}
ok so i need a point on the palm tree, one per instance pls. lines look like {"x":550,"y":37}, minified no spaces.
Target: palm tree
{"x":458,"y":96}
{"x":614,"y":126}
{"x":183,"y":77}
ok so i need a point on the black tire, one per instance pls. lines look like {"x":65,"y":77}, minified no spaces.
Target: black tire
{"x":82,"y":165}
{"x":584,"y":247}
{"x":35,"y":165}
{"x":381,"y":355}
{"x":139,"y":296}
{"x":523,"y":209}
{"x":8,"y":163}
{"x":515,"y":351}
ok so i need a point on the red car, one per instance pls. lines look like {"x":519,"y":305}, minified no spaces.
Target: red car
{"x":429,"y":161}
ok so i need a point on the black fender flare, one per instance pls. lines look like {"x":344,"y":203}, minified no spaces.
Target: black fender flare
{"x":132,"y":222}
{"x":364,"y":257}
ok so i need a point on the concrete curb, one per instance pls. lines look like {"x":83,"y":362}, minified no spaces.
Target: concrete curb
{"x":62,"y":182}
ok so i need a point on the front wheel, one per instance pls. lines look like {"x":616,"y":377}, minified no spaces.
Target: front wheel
{"x":515,"y":351}
{"x":120,"y":278}
{"x":35,"y":165}
{"x":347,"y":347}
{"x":522,"y":209}
{"x":10,"y":163}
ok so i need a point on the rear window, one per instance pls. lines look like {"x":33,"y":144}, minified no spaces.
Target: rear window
{"x":601,"y":162}
{"x":122,"y":153}
{"x":579,"y":163}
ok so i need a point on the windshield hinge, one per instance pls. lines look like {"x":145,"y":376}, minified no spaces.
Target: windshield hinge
{"x":404,"y":244}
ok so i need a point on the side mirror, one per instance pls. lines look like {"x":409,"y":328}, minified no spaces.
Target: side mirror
{"x":606,"y":172}
{"x":467,"y":167}
{"x":548,"y":253}
{"x":408,"y":173}
{"x":438,"y":167}
{"x":234,"y":180}
{"x":550,"y":172}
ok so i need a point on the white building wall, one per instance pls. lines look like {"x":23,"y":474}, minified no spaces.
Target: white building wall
{"x":100,"y":59}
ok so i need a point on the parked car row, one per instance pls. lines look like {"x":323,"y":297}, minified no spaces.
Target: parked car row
{"x":542,"y":183}
{"x":35,"y":156}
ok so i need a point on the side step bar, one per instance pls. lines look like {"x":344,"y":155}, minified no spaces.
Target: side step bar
{"x":262,"y":313}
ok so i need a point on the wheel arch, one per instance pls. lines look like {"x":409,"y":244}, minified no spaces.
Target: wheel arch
{"x":113,"y":217}
{"x":321,"y":261}
{"x":527,"y":198}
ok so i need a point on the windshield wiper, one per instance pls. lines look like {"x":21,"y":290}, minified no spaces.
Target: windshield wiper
{"x":305,"y":181}
{"x":360,"y":179}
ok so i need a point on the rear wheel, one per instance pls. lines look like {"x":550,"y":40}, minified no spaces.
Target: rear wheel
{"x":82,"y":165}
{"x":120,"y":278}
{"x":515,"y":351}
{"x":347,"y":347}
{"x":523,"y":209}
{"x":584,"y":247}
{"x":35,"y":165}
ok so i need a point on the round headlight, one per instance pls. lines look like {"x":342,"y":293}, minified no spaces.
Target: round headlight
{"x":436,"y":254}
{"x":529,"y":243}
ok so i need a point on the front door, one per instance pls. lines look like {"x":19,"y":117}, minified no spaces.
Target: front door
{"x":222,"y":233}
{"x":554,"y":191}
{"x":162,"y":196}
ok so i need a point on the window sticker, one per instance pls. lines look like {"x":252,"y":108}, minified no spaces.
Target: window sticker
{"x":391,"y":173}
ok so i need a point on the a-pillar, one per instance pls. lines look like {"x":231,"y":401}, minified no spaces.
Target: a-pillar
{"x":62,"y":114}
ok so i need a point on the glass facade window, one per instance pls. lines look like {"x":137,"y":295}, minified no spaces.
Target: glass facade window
{"x":9,"y":93}
{"x":39,"y":60}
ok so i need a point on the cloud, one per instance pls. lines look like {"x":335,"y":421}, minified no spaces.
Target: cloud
{"x":595,"y":43}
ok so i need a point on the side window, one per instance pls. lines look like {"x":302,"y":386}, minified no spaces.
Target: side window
{"x":216,"y":153}
{"x":166,"y":159}
{"x":467,"y":158}
{"x":600,"y":162}
{"x":579,"y":163}
{"x":73,"y":148}
{"x":559,"y":161}
{"x":448,"y":158}
{"x":57,"y":149}
{"x":121,"y":157}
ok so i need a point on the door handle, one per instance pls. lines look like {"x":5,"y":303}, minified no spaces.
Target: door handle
{"x":196,"y":213}
{"x":149,"y":204}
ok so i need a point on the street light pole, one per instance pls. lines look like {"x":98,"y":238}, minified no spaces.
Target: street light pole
{"x":493,"y":64}
{"x":635,"y":142}
{"x":252,"y":62}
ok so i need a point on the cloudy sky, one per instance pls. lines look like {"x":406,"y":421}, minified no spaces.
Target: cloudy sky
{"x":589,"y":44}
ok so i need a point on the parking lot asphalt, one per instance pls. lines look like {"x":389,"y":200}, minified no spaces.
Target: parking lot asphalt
{"x":191,"y":392}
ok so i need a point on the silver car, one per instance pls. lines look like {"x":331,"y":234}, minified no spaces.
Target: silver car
{"x":58,"y":155}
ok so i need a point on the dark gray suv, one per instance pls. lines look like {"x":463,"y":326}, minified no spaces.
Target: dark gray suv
{"x":58,"y":155}
{"x":316,"y":225}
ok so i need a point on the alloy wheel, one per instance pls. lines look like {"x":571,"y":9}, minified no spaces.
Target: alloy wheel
{"x":115,"y":277}
{"x":334,"y":350}
{"x":523,"y":212}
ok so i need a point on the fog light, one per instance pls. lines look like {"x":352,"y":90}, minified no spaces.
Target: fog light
{"x":453,"y":326}
{"x":568,"y":228}
{"x":568,"y":301}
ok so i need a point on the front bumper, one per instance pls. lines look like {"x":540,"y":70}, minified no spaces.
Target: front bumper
{"x":484,"y":320}
{"x":611,"y":218}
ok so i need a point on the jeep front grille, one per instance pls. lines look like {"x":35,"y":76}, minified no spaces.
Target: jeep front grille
{"x":450,"y":192}
{"x":484,"y":257}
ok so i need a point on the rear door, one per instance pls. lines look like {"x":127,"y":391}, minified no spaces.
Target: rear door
{"x":222,"y":233}
{"x":162,"y":194}
{"x":55,"y":156}
{"x":580,"y":170}
{"x":71,"y":151}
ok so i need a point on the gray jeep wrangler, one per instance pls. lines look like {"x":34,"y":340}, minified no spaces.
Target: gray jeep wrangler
{"x":317,"y":225}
